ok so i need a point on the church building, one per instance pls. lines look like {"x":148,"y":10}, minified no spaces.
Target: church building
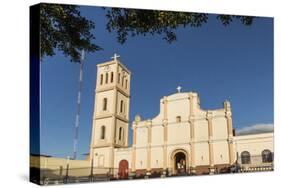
{"x":181,"y":139}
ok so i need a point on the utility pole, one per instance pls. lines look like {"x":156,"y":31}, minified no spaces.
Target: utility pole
{"x":67,"y":170}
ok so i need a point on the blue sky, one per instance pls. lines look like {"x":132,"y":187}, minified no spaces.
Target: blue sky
{"x":218,"y":62}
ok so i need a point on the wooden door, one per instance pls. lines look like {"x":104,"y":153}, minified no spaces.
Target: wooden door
{"x":123,"y":169}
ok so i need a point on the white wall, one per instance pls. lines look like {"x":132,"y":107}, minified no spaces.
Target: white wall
{"x":122,"y":154}
{"x":201,"y":154}
{"x":221,"y":152}
{"x":220,"y":128}
{"x":141,"y":158}
{"x":201,"y":130}
{"x":157,"y":135}
{"x":255,"y":143}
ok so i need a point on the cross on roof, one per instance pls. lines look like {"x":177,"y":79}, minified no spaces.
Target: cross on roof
{"x":115,"y":57}
{"x":179,"y":88}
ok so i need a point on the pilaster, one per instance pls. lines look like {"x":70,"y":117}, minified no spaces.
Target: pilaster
{"x":209,"y":118}
{"x":165,"y":126}
{"x":192,"y":134}
{"x":228,"y":116}
{"x":148,"y":168}
{"x":134,"y":148}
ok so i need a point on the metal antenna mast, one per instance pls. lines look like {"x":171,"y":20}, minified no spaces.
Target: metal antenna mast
{"x":77,"y":120}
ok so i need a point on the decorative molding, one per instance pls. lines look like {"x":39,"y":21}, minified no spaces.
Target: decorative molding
{"x":111,"y":116}
{"x":209,"y":115}
{"x":112,"y":87}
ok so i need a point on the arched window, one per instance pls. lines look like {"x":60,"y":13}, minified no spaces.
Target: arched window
{"x":101,"y":79}
{"x":102,"y":135}
{"x":126,"y":84}
{"x":120,"y":133}
{"x":123,"y":80}
{"x":266,"y":156}
{"x":111,"y":78}
{"x":121,"y":106}
{"x":245,"y":157}
{"x":178,"y":119}
{"x":106,"y":78}
{"x":118,"y":78}
{"x":104,"y":104}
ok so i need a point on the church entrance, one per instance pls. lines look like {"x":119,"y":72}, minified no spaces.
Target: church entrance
{"x":180,"y":163}
{"x":123,"y":171}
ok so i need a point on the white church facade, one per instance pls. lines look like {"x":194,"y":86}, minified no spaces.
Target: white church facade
{"x":181,"y":139}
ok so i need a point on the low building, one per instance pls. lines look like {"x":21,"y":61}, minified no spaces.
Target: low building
{"x":254,"y":152}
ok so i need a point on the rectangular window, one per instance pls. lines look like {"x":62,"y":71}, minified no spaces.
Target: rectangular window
{"x":106,"y":78}
{"x":104,"y":104}
{"x":120,"y":133}
{"x":126,"y":83}
{"x":102,"y":136}
{"x":121,"y":106}
{"x":111,"y":79}
{"x":178,"y":119}
{"x":101,"y":79}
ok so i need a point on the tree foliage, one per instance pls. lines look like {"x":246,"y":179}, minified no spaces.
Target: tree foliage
{"x":63,"y":28}
{"x":132,"y":22}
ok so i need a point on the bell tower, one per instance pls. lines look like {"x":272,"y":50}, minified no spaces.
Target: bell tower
{"x":111,"y":112}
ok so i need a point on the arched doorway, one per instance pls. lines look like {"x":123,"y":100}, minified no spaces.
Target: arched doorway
{"x":123,"y":169}
{"x":179,"y":162}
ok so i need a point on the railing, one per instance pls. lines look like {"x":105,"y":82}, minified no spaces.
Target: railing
{"x":255,"y":163}
{"x":72,"y":175}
